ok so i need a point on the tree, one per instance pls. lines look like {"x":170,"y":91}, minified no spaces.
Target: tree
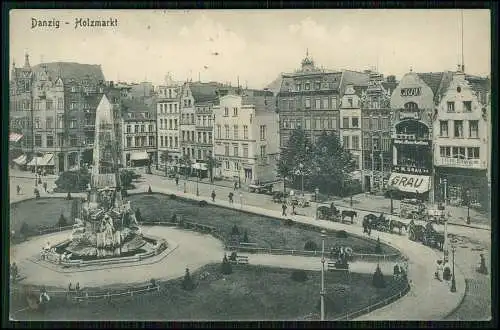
{"x":150,"y":191}
{"x":226,"y":267}
{"x":73,"y":181}
{"x":332,"y":164}
{"x":62,"y":222}
{"x":310,"y":246}
{"x":378,"y":247}
{"x":165,"y":159}
{"x":186,"y":162}
{"x":296,"y":152}
{"x":211,"y":164}
{"x":245,"y":237}
{"x":187,"y":281}
{"x":378,"y":278}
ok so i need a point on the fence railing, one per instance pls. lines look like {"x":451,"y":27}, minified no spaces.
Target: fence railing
{"x":350,"y":315}
{"x":48,"y":230}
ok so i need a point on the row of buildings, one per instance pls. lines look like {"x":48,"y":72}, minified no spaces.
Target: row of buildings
{"x":427,"y":134}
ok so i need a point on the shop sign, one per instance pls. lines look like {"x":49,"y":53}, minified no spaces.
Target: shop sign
{"x":412,"y":142}
{"x":457,"y":162}
{"x":409,"y":183}
{"x":411,"y":170}
{"x":409,"y":115}
{"x":415,"y":91}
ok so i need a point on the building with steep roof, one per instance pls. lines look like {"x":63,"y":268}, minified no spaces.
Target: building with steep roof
{"x":246,"y":137}
{"x":462,"y":140}
{"x":58,"y":117}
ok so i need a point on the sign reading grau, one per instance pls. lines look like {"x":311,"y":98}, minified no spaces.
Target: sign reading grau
{"x":414,"y":91}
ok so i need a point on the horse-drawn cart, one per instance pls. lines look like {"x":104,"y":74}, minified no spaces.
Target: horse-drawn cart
{"x":301,"y":200}
{"x":412,"y":209}
{"x":436,"y":215}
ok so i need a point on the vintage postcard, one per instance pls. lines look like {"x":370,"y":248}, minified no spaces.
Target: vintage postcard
{"x":239,"y":165}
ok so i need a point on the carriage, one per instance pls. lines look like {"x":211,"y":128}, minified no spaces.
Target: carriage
{"x":328,"y":213}
{"x":301,"y":201}
{"x":412,"y":209}
{"x":279,"y":197}
{"x":436,"y":215}
{"x":426,"y":234}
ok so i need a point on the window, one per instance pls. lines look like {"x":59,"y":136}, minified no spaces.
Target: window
{"x":318,"y":104}
{"x":219,"y":131}
{"x":199,"y":120}
{"x":170,"y":107}
{"x":458,"y":152}
{"x":245,"y":150}
{"x":137,"y":141}
{"x":334,"y":123}
{"x":262,"y":132}
{"x":226,"y":128}
{"x":175,"y":107}
{"x":297,"y":87}
{"x":467,"y":106}
{"x":445,"y":151}
{"x":60,"y":139}
{"x":346,"y":140}
{"x":318,"y":85}
{"x":176,"y":140}
{"x":313,"y":124}
{"x":236,"y":166}
{"x":473,"y":153}
{"x":235,"y":129}
{"x":334,"y":103}
{"x":307,"y":86}
{"x":226,"y":149}
{"x":204,"y":121}
{"x":73,"y":123}
{"x":73,"y":140}
{"x":129,"y":141}
{"x":345,"y":122}
{"x":136,"y":128}
{"x":50,"y":103}
{"x":474,"y":129}
{"x":227,"y":165}
{"x":199,"y":154}
{"x":443,"y":128}
{"x":376,"y":143}
{"x":355,"y":142}
{"x":199,"y":137}
{"x":49,"y":122}
{"x":60,"y":103}
{"x":226,"y":111}
{"x":349,"y":102}
{"x":210,"y":137}
{"x":459,"y":129}
{"x":386,"y":143}
{"x":170,"y":126}
{"x":308,"y":123}
{"x":374,"y":123}
{"x":411,"y":106}
{"x":308,"y":103}
{"x":209,"y":121}
{"x":451,"y":106}
{"x":151,"y":126}
{"x":366,"y":123}
{"x":50,"y":141}
{"x":245,"y":132}
{"x":169,"y":141}
{"x":355,"y":122}
{"x":235,"y":150}
{"x":263,"y":152}
{"x":38,"y":140}
{"x":142,"y":128}
{"x":192,"y":119}
{"x":235,"y":112}
{"x":384,"y":123}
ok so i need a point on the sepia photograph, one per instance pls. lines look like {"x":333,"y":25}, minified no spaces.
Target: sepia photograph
{"x":242,"y":165}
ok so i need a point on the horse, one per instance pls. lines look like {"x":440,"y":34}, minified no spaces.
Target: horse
{"x":348,"y":213}
{"x":327,"y":213}
{"x":416,"y":232}
{"x":397,"y":224}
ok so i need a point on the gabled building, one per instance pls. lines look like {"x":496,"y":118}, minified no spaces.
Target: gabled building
{"x":246,"y":137}
{"x":462,"y":140}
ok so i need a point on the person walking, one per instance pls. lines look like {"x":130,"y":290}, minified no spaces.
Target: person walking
{"x":45,"y":186}
{"x":18,"y":188}
{"x":177,"y":181}
{"x":293,"y":209}
{"x":283,"y":207}
{"x":230,"y":197}
{"x":235,"y":185}
{"x":213,"y":195}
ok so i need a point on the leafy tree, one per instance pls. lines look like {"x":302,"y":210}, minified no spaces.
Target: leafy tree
{"x":296,"y":152}
{"x":299,"y":275}
{"x":126,"y":178}
{"x":378,"y":278}
{"x":211,"y":164}
{"x":310,"y":246}
{"x":226,"y":267}
{"x":332,"y":164}
{"x":187,"y":282}
{"x":73,"y":181}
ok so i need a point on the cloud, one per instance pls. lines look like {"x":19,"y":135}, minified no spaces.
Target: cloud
{"x":309,"y":28}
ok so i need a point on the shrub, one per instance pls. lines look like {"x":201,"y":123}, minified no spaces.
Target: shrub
{"x":202,"y":203}
{"x":235,"y":230}
{"x":74,"y":181}
{"x":378,"y":247}
{"x":62,"y":222}
{"x":288,"y":222}
{"x":150,"y":191}
{"x":126,"y":178}
{"x":173,"y":196}
{"x":68,"y":197}
{"x":226,"y":267}
{"x":341,"y":234}
{"x":24,"y":229}
{"x":299,"y":275}
{"x":378,"y":278}
{"x":187,"y":281}
{"x":245,"y":237}
{"x":310,"y":246}
{"x":174,"y":218}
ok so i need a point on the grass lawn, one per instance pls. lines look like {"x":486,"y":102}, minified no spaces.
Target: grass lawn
{"x":42,"y":212}
{"x":249,"y":293}
{"x":265,"y":231}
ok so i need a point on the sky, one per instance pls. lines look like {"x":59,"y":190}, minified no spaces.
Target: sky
{"x":255,"y":46}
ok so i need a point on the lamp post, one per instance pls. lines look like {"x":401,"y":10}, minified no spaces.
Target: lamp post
{"x":445,"y":182}
{"x":197,"y":180}
{"x":468,"y":206}
{"x":453,"y":283}
{"x":316,"y":193}
{"x":392,"y":200}
{"x":241,"y":201}
{"x":302,"y":176}
{"x":323,"y":291}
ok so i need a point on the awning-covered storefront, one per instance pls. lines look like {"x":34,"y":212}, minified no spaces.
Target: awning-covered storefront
{"x":139,"y":155}
{"x":45,"y":160}
{"x":409,"y":182}
{"x":21,"y":160}
{"x":14,"y":137}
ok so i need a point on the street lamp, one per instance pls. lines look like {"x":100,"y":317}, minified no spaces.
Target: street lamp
{"x":323,"y":291}
{"x":392,"y":200}
{"x":453,"y":284}
{"x":197,"y":180}
{"x":302,"y":176}
{"x":241,"y":201}
{"x":316,"y":193}
{"x":468,"y":206}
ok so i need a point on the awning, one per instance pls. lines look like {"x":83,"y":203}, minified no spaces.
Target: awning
{"x":140,"y":155}
{"x":45,"y":160}
{"x":21,"y":160}
{"x":200,"y":166}
{"x":409,"y":182}
{"x":14,"y":137}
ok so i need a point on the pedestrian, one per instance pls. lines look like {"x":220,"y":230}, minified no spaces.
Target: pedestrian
{"x":177,"y":181}
{"x":230,"y":198}
{"x":70,"y":287}
{"x":18,"y":189}
{"x":235,"y":185}
{"x":283,"y":207}
{"x":77,"y":287}
{"x":293,"y":209}
{"x":213,"y":195}
{"x":45,"y":186}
